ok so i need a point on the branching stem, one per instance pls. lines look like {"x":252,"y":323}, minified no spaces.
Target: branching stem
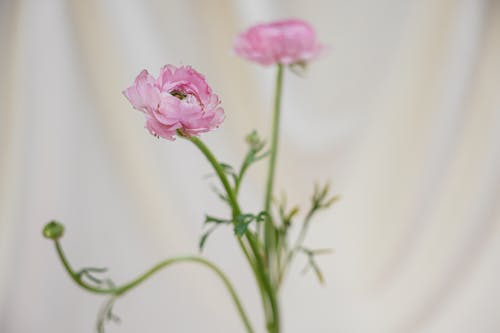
{"x":120,"y":290}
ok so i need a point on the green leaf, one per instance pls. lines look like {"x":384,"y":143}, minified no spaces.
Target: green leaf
{"x":222,"y":196}
{"x":321,"y":198}
{"x":262,"y":216}
{"x":89,"y":273}
{"x":259,"y":157}
{"x":240,"y":228}
{"x":242,"y":222}
{"x":203,"y":239}
{"x":228,"y":169}
{"x":331,"y":201}
{"x":106,"y":314}
{"x":216,"y":220}
{"x":321,"y":251}
{"x":317,"y":271}
{"x":311,"y":262}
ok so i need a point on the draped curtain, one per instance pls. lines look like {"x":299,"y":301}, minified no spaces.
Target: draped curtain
{"x":402,"y":114}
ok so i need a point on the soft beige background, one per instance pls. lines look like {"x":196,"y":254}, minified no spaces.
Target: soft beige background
{"x":403,"y":116}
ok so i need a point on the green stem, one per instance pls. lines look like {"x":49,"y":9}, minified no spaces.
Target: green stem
{"x":274,"y":325}
{"x":75,"y":276}
{"x":118,"y":291}
{"x":218,"y":169}
{"x":296,"y":247}
{"x":258,"y":268}
{"x":269,"y":232}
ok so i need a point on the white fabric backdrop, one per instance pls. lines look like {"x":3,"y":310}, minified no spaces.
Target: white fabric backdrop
{"x":403,"y":116}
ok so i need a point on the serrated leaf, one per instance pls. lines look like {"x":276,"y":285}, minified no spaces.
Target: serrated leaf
{"x":331,"y":201}
{"x":89,"y":273}
{"x":321,"y":251}
{"x":226,"y":167}
{"x":106,"y":314}
{"x":311,"y":262}
{"x":95,"y":269}
{"x":245,"y":217}
{"x":219,"y":194}
{"x":216,"y":220}
{"x":318,"y":272}
{"x":259,"y":157}
{"x":91,"y":278}
{"x":109,"y":283}
{"x":242,"y":222}
{"x":262,"y":217}
{"x":240,"y":228}
{"x":204,"y":237}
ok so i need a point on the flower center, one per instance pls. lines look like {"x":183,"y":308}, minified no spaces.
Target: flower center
{"x":179,"y":94}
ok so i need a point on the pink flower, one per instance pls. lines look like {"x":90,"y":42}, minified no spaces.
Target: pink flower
{"x":284,"y":42}
{"x":179,"y":99}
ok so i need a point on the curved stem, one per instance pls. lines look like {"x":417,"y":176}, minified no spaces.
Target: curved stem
{"x":227,"y":187}
{"x":269,"y":232}
{"x":119,"y":291}
{"x":258,"y":268}
{"x":218,"y":169}
{"x":75,"y":276}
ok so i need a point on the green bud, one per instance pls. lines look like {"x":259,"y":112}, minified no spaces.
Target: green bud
{"x":252,"y":138}
{"x":53,"y":230}
{"x":254,"y":141}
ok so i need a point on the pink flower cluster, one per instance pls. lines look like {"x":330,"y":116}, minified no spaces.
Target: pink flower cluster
{"x":179,"y":99}
{"x":284,"y":42}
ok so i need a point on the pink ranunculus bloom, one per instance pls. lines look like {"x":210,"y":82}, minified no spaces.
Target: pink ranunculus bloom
{"x":285,"y":42}
{"x":179,"y":99}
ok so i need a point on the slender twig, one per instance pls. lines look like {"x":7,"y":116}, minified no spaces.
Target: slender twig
{"x":121,"y":290}
{"x":297,"y":245}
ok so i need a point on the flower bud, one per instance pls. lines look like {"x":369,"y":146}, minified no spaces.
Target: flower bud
{"x":53,"y":230}
{"x":253,"y":140}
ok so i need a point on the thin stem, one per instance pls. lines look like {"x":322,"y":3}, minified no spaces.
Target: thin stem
{"x":269,"y":232}
{"x":242,"y":172}
{"x":303,"y":230}
{"x":296,"y":247}
{"x":75,"y":276}
{"x":258,"y":268}
{"x":119,"y":291}
{"x":217,"y":167}
{"x":222,"y":176}
{"x":273,"y":326}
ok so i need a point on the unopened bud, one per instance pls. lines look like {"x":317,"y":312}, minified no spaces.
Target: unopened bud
{"x":53,"y":230}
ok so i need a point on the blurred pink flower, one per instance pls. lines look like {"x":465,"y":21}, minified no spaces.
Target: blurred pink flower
{"x":179,"y":98}
{"x":285,"y":42}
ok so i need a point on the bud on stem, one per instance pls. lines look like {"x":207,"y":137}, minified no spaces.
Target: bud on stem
{"x":53,"y":230}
